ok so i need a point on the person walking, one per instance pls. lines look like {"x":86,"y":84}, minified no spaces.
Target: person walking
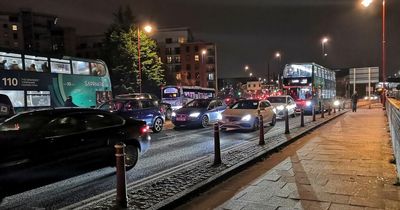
{"x":69,"y":103}
{"x":354,"y":100}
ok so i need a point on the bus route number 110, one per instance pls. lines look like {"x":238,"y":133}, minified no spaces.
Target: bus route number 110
{"x":7,"y":81}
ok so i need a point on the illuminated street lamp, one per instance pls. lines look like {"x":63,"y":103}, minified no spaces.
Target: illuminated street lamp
{"x":366,"y":3}
{"x":246,"y":68}
{"x":251,"y":74}
{"x":323,"y":42}
{"x":147,"y":29}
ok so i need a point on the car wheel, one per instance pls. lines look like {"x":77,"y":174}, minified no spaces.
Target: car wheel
{"x":168,"y":114}
{"x":204,"y":121}
{"x":273,"y":121}
{"x":256,"y":124}
{"x":157,"y":125}
{"x":131,"y":156}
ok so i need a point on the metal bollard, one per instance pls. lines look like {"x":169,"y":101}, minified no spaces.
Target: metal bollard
{"x":286,"y":121}
{"x":322,"y":111}
{"x":302,"y":117}
{"x":262,"y":141}
{"x":217,"y":147}
{"x":122,"y":199}
{"x":334,"y":110}
{"x":313,"y":113}
{"x":329,"y":110}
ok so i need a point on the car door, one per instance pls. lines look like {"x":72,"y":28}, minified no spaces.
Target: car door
{"x":148,"y":111}
{"x":212,"y":110}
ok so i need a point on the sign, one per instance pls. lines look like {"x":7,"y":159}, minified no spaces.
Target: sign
{"x":364,"y":75}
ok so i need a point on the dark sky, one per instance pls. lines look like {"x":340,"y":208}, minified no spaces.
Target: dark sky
{"x":248,"y":32}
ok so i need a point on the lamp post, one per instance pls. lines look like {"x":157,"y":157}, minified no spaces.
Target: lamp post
{"x":323,"y":42}
{"x":148,"y":29}
{"x":366,"y":3}
{"x":278,"y":56}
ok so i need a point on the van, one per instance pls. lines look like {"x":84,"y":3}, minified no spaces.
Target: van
{"x":6,"y":108}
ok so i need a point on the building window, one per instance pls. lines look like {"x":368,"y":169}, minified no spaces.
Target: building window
{"x":187,"y":57}
{"x":177,"y":59}
{"x":5,"y":25}
{"x":169,"y":59}
{"x":211,"y":76}
{"x":168,"y":40}
{"x":187,"y":49}
{"x":15,"y":36}
{"x":177,"y":50}
{"x":197,"y":75}
{"x":181,"y":40}
{"x":14,"y":27}
{"x":177,"y":67}
{"x":168,"y":51}
{"x":178,"y":76}
{"x":196,"y":48}
{"x":196,"y":66}
{"x":188,"y":67}
{"x":196,"y":58}
{"x":189,"y":75}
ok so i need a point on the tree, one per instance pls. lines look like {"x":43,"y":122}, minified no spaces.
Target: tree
{"x":121,"y":54}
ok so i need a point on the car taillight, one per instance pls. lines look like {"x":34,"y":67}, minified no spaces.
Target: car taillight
{"x":144,"y":129}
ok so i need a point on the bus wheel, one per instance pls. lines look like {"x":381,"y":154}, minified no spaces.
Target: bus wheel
{"x":157,"y":125}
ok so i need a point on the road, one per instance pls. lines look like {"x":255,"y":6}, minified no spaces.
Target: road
{"x":169,"y":149}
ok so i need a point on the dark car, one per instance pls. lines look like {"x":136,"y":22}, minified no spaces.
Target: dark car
{"x":55,"y":136}
{"x":165,"y":108}
{"x":199,"y":112}
{"x":140,"y":109}
{"x":6,"y":107}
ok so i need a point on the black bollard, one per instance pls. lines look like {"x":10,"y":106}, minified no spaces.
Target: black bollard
{"x":329,"y":110}
{"x":286,"y":121}
{"x":217,"y":147}
{"x":262,"y":141}
{"x":313,"y":113}
{"x":334,"y":110}
{"x":122,"y":200}
{"x":322,"y":111}
{"x":302,"y":117}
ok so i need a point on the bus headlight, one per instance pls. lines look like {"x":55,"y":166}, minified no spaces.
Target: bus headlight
{"x":246,"y":118}
{"x":336,"y":103}
{"x":194,"y":114}
{"x":366,"y":98}
{"x":173,"y":114}
{"x":281,"y":107}
{"x":308,"y":103}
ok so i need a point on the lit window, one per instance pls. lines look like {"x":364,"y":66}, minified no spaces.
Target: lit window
{"x":211,"y":76}
{"x":14,"y":27}
{"x":181,"y":40}
{"x":196,"y":58}
{"x":169,"y":59}
{"x":178,"y":76}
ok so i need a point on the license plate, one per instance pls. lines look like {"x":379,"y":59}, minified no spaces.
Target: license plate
{"x":180,"y":119}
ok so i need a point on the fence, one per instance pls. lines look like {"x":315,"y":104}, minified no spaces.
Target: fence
{"x":393,"y":114}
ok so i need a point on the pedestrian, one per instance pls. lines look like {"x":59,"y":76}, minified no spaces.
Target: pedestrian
{"x":69,"y":103}
{"x":354,"y":100}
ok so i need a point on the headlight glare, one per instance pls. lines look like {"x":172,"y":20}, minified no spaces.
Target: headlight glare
{"x":246,"y":117}
{"x":194,"y":114}
{"x":173,"y":114}
{"x":308,"y":103}
{"x":336,"y":103}
{"x":281,"y":107}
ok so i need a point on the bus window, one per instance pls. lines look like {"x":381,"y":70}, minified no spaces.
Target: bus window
{"x":10,"y":61}
{"x":170,"y":92}
{"x":34,"y":63}
{"x":60,"y":66}
{"x":80,"y":67}
{"x":97,"y":69}
{"x":38,"y":98}
{"x":16,"y":96}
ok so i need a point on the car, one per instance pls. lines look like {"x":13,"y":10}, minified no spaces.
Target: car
{"x":165,"y":108}
{"x":281,"y":103}
{"x":199,"y":112}
{"x":244,"y":114}
{"x":6,"y":107}
{"x":139,"y":109}
{"x":54,"y":137}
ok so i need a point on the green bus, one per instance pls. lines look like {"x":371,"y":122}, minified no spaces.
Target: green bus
{"x":34,"y":81}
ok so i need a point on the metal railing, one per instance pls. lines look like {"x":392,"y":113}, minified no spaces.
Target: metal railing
{"x":393,"y":114}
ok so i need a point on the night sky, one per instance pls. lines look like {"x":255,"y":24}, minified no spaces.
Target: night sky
{"x":249,"y":32}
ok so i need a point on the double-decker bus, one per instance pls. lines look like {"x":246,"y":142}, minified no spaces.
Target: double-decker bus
{"x":34,"y":81}
{"x":177,"y":96}
{"x":310,"y":85}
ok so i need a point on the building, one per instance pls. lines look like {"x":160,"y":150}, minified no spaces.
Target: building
{"x":35,"y":32}
{"x":90,"y":46}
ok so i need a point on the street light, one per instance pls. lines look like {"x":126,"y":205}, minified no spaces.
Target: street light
{"x":323,"y":42}
{"x":366,"y":3}
{"x":251,"y":74}
{"x":148,"y":29}
{"x":246,"y":68}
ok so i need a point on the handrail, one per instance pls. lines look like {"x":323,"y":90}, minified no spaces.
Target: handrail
{"x":393,"y":114}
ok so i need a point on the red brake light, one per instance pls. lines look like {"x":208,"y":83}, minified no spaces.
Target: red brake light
{"x":144,"y":129}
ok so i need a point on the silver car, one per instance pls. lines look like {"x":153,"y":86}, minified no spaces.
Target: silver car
{"x":281,"y":103}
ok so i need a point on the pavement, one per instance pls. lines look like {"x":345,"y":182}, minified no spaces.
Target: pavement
{"x":344,"y":165}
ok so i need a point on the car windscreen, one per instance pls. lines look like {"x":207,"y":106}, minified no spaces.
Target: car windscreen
{"x":280,"y":100}
{"x":26,"y":121}
{"x":245,"y":104}
{"x":120,"y":105}
{"x":198,"y":104}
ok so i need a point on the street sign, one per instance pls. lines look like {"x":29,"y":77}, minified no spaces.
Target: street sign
{"x":364,"y":75}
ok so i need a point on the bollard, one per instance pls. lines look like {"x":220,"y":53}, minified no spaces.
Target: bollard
{"x":121,"y":178}
{"x":302,"y":117}
{"x":329,"y":110}
{"x":334,"y":110}
{"x":262,"y":141}
{"x":286,"y":121}
{"x":322,"y":111}
{"x":217,"y":149}
{"x":313,"y":113}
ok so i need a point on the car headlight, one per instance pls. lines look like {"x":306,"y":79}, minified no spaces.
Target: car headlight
{"x":173,"y":114}
{"x":281,"y":107}
{"x":336,"y":103}
{"x":308,"y":103}
{"x":366,"y":97}
{"x":274,"y":109}
{"x":246,"y":117}
{"x":194,"y":114}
